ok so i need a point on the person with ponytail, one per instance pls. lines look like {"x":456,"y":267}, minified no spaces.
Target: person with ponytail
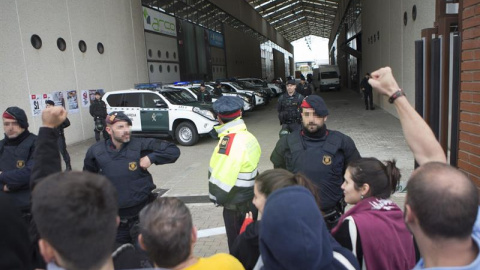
{"x":373,"y":229}
{"x":246,"y":245}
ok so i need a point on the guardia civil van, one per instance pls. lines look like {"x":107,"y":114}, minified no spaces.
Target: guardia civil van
{"x":163,"y":112}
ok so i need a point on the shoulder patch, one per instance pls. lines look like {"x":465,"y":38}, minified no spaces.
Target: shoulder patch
{"x":225,"y":144}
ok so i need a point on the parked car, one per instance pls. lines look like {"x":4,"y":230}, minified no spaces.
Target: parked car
{"x":159,"y":112}
{"x":268,"y":94}
{"x":276,"y":90}
{"x":232,"y":87}
{"x":194,"y":89}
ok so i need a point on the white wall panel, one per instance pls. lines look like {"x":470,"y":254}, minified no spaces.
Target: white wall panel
{"x":14,"y":89}
{"x":396,"y":46}
{"x":163,"y":72}
{"x":24,"y":70}
{"x":161,"y":48}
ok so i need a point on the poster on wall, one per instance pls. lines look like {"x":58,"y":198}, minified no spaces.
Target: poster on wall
{"x":35,"y":104}
{"x":72,"y":101}
{"x":58,"y":98}
{"x":45,"y":97}
{"x":85,"y":98}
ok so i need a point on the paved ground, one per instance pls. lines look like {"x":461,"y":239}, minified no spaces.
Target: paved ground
{"x":376,"y":133}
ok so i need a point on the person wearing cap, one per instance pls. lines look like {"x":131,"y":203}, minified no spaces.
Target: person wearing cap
{"x":98,"y":110}
{"x":16,"y":158}
{"x":203,"y":96}
{"x":61,"y":138}
{"x":233,"y":166}
{"x":288,"y":108}
{"x":319,"y":153}
{"x":304,"y":88}
{"x":124,"y":161}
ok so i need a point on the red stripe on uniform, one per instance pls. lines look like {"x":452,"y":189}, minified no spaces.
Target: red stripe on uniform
{"x":230,"y":141}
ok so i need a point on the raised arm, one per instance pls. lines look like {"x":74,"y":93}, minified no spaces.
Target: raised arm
{"x":418,"y":134}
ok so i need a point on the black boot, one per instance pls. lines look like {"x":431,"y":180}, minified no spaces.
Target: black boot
{"x":68,"y":167}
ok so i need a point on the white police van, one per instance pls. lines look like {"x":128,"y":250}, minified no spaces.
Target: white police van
{"x":165,"y":112}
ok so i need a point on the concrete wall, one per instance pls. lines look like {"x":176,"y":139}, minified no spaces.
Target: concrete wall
{"x":396,"y":44}
{"x":26,"y":71}
{"x":243,"y":54}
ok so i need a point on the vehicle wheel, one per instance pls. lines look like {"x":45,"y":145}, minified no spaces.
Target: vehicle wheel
{"x":186,"y":134}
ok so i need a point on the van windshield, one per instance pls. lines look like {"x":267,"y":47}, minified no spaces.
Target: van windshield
{"x":179,"y":97}
{"x":329,"y":75}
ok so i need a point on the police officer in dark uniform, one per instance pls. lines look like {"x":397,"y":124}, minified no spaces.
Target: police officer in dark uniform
{"x":16,"y":159}
{"x":124,"y":161}
{"x":62,"y":145}
{"x":217,"y":89}
{"x":367,"y":92}
{"x":203,"y":96}
{"x":319,"y":153}
{"x":288,"y":108}
{"x":98,"y":110}
{"x":304,"y":88}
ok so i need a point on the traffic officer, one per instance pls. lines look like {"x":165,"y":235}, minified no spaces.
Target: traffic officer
{"x":62,"y":145}
{"x":16,"y":159}
{"x":203,"y":96}
{"x":233,"y":166}
{"x":304,"y":88}
{"x":320,"y":154}
{"x":124,"y":161}
{"x":288,"y":108}
{"x":98,"y":110}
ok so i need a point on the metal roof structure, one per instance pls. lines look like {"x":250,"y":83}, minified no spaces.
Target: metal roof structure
{"x":293,"y":19}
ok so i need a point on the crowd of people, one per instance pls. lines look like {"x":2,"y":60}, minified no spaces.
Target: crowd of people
{"x":289,"y":217}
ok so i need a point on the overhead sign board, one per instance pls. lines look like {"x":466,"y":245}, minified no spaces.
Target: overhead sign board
{"x":159,"y":22}
{"x":215,"y":39}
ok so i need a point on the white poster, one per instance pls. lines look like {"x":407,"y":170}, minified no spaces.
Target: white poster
{"x":72,"y":101}
{"x":85,"y":98}
{"x":45,"y":97}
{"x":58,"y":98}
{"x":35,"y":104}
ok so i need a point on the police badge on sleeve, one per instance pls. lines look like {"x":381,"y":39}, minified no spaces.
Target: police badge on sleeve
{"x":132,"y":166}
{"x":327,"y":160}
{"x":20,"y":164}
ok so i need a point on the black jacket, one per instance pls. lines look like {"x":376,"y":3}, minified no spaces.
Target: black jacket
{"x":98,"y":108}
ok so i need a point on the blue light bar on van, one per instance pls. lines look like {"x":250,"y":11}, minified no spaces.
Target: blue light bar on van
{"x":150,"y":86}
{"x":197,"y":81}
{"x":181,"y":83}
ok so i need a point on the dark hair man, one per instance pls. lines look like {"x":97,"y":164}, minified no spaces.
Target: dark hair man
{"x":320,"y":154}
{"x":367,"y":92}
{"x":16,"y":159}
{"x":304,"y":88}
{"x":168,"y":236}
{"x":62,"y":145}
{"x":76,"y":217}
{"x":124,"y":161}
{"x":203,"y":96}
{"x":442,"y":203}
{"x":98,"y":110}
{"x":233,"y":166}
{"x":288,"y":108}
